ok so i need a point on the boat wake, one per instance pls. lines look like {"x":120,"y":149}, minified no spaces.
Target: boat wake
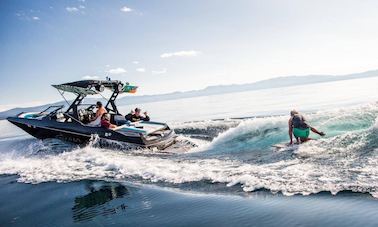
{"x":234,"y":153}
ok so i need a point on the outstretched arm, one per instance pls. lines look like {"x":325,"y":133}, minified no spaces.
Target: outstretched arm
{"x":317,"y":132}
{"x":146,"y":117}
{"x":313,"y":129}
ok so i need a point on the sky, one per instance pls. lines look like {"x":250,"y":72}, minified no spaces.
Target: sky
{"x":169,"y":45}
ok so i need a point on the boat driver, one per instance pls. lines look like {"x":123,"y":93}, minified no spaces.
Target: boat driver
{"x":136,"y":115}
{"x":100,"y":111}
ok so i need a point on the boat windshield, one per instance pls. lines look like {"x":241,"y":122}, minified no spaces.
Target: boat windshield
{"x":51,"y":109}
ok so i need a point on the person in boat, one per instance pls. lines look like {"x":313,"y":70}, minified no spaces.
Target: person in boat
{"x":129,"y":116}
{"x":100,"y":112}
{"x":105,"y":121}
{"x":299,"y":127}
{"x":136,"y":115}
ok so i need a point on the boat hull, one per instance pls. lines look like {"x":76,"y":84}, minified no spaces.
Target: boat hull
{"x":79,"y":133}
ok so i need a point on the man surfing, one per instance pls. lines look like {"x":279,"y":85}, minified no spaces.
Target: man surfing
{"x":300,"y":129}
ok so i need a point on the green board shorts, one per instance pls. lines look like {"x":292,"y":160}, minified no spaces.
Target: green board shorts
{"x":301,"y":133}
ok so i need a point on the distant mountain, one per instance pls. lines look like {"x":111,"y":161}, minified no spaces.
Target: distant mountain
{"x":264,"y":84}
{"x":215,"y":90}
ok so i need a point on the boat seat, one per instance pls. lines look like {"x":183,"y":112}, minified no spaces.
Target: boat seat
{"x":95,"y":123}
{"x":119,"y":120}
{"x":60,"y":117}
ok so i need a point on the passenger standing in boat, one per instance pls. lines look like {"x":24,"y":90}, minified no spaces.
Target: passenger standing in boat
{"x":129,"y":116}
{"x":136,"y":116}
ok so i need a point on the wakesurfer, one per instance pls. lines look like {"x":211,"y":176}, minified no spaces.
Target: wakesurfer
{"x":299,"y":127}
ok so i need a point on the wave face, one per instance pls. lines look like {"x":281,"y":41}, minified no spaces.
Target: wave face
{"x":234,"y":153}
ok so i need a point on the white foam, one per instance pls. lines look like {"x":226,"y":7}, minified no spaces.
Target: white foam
{"x":331,"y":164}
{"x":206,"y":124}
{"x":295,"y":176}
{"x":255,"y":124}
{"x":376,"y":123}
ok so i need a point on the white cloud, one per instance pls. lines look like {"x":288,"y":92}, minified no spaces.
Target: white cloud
{"x":186,"y":53}
{"x":118,"y":70}
{"x":81,"y":0}
{"x":141,"y":70}
{"x":88,"y":77}
{"x":126,"y":9}
{"x":72,"y":9}
{"x":26,"y":15}
{"x":81,"y":7}
{"x":136,"y":62}
{"x":159,"y":71}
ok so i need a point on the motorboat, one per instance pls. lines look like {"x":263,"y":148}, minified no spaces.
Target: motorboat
{"x":72,"y":122}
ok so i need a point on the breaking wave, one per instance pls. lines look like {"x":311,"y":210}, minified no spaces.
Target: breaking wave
{"x":236,"y":153}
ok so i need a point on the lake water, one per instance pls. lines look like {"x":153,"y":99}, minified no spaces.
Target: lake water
{"x":313,"y":97}
{"x":232,"y":177}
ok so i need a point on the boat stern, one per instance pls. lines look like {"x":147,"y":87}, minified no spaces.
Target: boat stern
{"x":160,"y":139}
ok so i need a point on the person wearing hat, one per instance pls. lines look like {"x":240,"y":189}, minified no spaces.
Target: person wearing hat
{"x":105,"y":121}
{"x":136,"y":115}
{"x":300,"y":128}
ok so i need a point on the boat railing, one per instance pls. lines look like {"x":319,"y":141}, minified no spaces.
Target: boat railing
{"x":55,"y":108}
{"x":73,"y":118}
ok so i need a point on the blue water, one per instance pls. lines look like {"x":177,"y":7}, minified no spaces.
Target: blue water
{"x":232,"y":176}
{"x":99,"y":203}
